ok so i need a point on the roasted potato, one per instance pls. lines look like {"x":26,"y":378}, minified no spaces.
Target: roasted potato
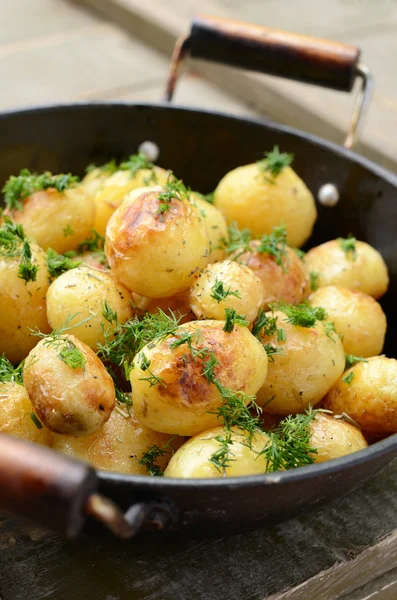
{"x":58,"y":220}
{"x":215,"y":226}
{"x":350,"y":264}
{"x":155,"y":247}
{"x":333,"y":438}
{"x":94,"y":179}
{"x":169,"y":390}
{"x":15,"y":415}
{"x":22,"y":304}
{"x":115,"y":188}
{"x":224,"y":285}
{"x":118,"y":445}
{"x":70,"y":389}
{"x":193,"y":459}
{"x":93,"y":298}
{"x":367,"y":392}
{"x":259,"y":202}
{"x":308,"y":363}
{"x":288,"y":282}
{"x":358,"y":318}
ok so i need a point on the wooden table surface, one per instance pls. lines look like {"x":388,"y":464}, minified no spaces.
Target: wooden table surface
{"x":54,"y":51}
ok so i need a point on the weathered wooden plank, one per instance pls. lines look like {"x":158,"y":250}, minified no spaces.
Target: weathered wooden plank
{"x":382,"y":588}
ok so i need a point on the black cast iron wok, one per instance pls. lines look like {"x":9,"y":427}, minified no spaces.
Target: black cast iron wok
{"x":201,"y":147}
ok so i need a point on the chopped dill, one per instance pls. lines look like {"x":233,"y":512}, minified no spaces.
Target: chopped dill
{"x":59,"y":263}
{"x":351,"y":360}
{"x":150,"y":457}
{"x":67,"y":231}
{"x":108,"y":313}
{"x":9,"y":373}
{"x":274,"y":163}
{"x":94,"y":243}
{"x":72,"y":356}
{"x":264,"y":325}
{"x":299,"y":253}
{"x":275,"y":245}
{"x":14,"y":243}
{"x":19,"y":187}
{"x":232,"y":319}
{"x":109,"y":167}
{"x":314,"y":277}
{"x":301,"y":315}
{"x":348,"y":378}
{"x":348,"y":246}
{"x":219,"y":292}
{"x":237,"y":241}
{"x":135,"y":163}
{"x":173,"y":189}
{"x":27,"y":270}
{"x":36,"y":421}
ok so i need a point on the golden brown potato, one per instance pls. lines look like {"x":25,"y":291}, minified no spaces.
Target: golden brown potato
{"x":15,"y":414}
{"x":363,"y":270}
{"x":334,"y":438}
{"x":94,"y":179}
{"x":224,"y":285}
{"x":357,"y":317}
{"x":368,"y":394}
{"x":215,"y":226}
{"x":70,"y":389}
{"x":308,"y":365}
{"x":288,"y":282}
{"x":88,"y":293}
{"x":118,"y":445}
{"x":114,"y":189}
{"x":260,"y":202}
{"x":58,"y":220}
{"x":22,"y":304}
{"x":192,"y":460}
{"x":155,"y":248}
{"x":173,"y":396}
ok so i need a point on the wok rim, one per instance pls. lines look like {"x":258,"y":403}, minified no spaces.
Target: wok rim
{"x":335,"y":466}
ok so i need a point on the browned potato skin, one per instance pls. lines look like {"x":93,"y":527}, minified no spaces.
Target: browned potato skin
{"x":357,"y":317}
{"x":309,"y":366}
{"x":81,"y":293}
{"x":118,"y":445}
{"x":46,"y":214}
{"x":156,"y":254}
{"x":184,"y":403}
{"x":22,"y":306}
{"x":15,"y":411}
{"x":334,"y":438}
{"x":370,"y":398}
{"x":366,"y":273}
{"x":94,"y":259}
{"x":69,"y":401}
{"x":289,"y":282}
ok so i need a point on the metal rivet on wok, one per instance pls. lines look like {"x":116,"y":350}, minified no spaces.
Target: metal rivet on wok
{"x":328,"y":195}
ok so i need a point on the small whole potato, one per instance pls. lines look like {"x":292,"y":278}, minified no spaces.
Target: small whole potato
{"x":15,"y":414}
{"x":95,"y":300}
{"x":70,"y":389}
{"x":288,"y":282}
{"x":357,"y":317}
{"x":114,"y":189}
{"x":95,"y":178}
{"x":193,"y":459}
{"x":215,"y":226}
{"x":169,"y":390}
{"x":334,"y":438}
{"x":258,"y":201}
{"x":22,"y":304}
{"x":155,"y":246}
{"x":307,"y":365}
{"x":362,"y":269}
{"x":224,"y":285}
{"x":118,"y":445}
{"x":58,"y":220}
{"x":368,"y":394}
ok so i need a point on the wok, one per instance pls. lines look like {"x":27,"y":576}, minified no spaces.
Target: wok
{"x":201,"y":146}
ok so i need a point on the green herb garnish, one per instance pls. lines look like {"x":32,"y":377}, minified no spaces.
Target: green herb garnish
{"x":36,"y":421}
{"x":314,"y":277}
{"x":348,"y":246}
{"x":274,"y":163}
{"x":275,"y":245}
{"x":301,"y":315}
{"x":19,"y":187}
{"x":238,"y":241}
{"x":27,"y":270}
{"x":135,"y":163}
{"x":348,"y":378}
{"x":174,"y":189}
{"x":59,"y":263}
{"x":232,"y":319}
{"x":9,"y":373}
{"x":152,"y":454}
{"x":351,"y":360}
{"x":72,"y":356}
{"x":219,"y":292}
{"x":108,"y":313}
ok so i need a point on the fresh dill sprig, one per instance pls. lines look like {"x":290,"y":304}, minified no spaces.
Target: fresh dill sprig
{"x":289,"y":444}
{"x":27,"y":270}
{"x":9,"y":373}
{"x":299,"y":253}
{"x":219,"y":292}
{"x":72,"y":356}
{"x":237,"y":241}
{"x":232,"y":319}
{"x":59,"y":263}
{"x":122,"y":397}
{"x":108,"y":313}
{"x":94,"y":243}
{"x":19,"y":187}
{"x":135,"y":163}
{"x":314,"y":277}
{"x":274,"y":163}
{"x":275,"y":245}
{"x":150,"y":457}
{"x":272,"y":351}
{"x":125,"y":340}
{"x":154,"y":380}
{"x":300,"y":315}
{"x":351,"y":360}
{"x":348,"y":378}
{"x":348,"y":246}
{"x":173,"y":189}
{"x":264,"y":325}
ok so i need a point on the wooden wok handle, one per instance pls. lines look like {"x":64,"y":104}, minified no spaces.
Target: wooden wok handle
{"x":58,"y":492}
{"x":290,"y":55}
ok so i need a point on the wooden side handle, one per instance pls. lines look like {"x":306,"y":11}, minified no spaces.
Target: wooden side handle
{"x":43,"y":486}
{"x":290,"y":55}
